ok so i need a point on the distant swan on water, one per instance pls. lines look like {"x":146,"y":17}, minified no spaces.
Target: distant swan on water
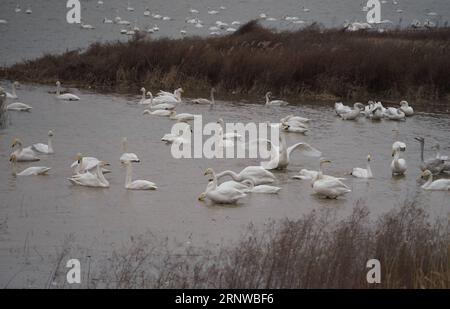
{"x":65,"y":96}
{"x":30,"y":171}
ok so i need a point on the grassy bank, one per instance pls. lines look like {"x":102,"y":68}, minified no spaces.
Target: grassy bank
{"x":308,"y":62}
{"x":317,"y":251}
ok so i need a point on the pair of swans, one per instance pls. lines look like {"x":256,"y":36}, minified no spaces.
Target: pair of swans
{"x":65,"y":96}
{"x":398,"y":165}
{"x":167,"y":97}
{"x":280,"y":155}
{"x":437,"y":185}
{"x":328,"y":187}
{"x":257,"y":174}
{"x":127,"y":156}
{"x":84,"y":164}
{"x":435,"y":165}
{"x":165,"y":101}
{"x":363,"y":173}
{"x":274,"y":102}
{"x":91,"y":179}
{"x":203,"y":101}
{"x":30,"y":171}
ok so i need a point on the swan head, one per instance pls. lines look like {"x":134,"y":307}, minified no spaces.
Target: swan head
{"x":436,"y":147}
{"x":50,"y":133}
{"x":404,"y":103}
{"x":324,"y":161}
{"x":146,"y":112}
{"x":268,"y":94}
{"x":369,"y":158}
{"x":15,"y":142}
{"x":79,"y":157}
{"x":13,"y":158}
{"x":58,"y":83}
{"x":400,"y":146}
{"x":104,"y":163}
{"x":16,"y":84}
{"x":142,"y":89}
{"x":202,"y":196}
{"x":420,"y":139}
{"x":209,"y":172}
{"x":426,"y":174}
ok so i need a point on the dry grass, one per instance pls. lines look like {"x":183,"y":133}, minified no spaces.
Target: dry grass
{"x":316,"y":251}
{"x":308,"y":62}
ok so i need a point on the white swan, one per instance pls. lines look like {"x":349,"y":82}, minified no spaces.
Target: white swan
{"x":408,"y":110}
{"x":176,"y":93}
{"x":220,"y":194}
{"x":377,"y":112}
{"x":354,"y":113}
{"x":280,"y":155}
{"x":266,"y":189}
{"x":183,"y":117}
{"x":136,"y":184}
{"x":328,"y":187}
{"x":340,"y":108}
{"x":89,"y":179}
{"x":257,"y":174}
{"x":20,"y":107}
{"x":159,"y":112}
{"x":393,"y":113}
{"x":127,"y":156}
{"x":361,"y":172}
{"x":45,"y":148}
{"x":435,"y":165}
{"x":86,"y":164}
{"x":437,"y":185}
{"x":295,"y":120}
{"x":293,"y":128}
{"x":30,"y":171}
{"x":144,"y":100}
{"x":171,"y":138}
{"x":65,"y":96}
{"x":306,"y":174}
{"x":205,"y":101}
{"x":23,"y":154}
{"x":13,"y":94}
{"x":274,"y":102}
{"x":398,"y":165}
{"x":169,"y":97}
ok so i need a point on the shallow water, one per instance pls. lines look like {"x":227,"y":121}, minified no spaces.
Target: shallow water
{"x":46,"y":30}
{"x":38,"y":213}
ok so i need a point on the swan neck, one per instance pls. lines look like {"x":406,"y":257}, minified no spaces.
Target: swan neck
{"x":50,"y":146}
{"x":369,"y":170}
{"x":58,"y":90}
{"x":428,"y":182}
{"x":232,"y":174}
{"x":100,"y":175}
{"x":212,"y":97}
{"x":422,"y":146}
{"x":128,"y":174}
{"x":267,"y":99}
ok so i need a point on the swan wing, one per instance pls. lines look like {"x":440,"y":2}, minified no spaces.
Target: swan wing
{"x":304,"y":149}
{"x":34,"y":170}
{"x":39,"y":147}
{"x":142,"y":185}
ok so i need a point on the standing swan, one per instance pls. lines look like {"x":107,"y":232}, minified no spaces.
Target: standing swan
{"x":127,"y":156}
{"x":437,"y":185}
{"x":43,"y":148}
{"x":328,"y":187}
{"x":274,"y":102}
{"x":206,"y":101}
{"x":65,"y":96}
{"x":31,"y":171}
{"x":136,"y":184}
{"x":361,"y":172}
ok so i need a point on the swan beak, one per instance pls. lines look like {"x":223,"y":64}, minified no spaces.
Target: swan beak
{"x":202,"y":197}
{"x":393,"y":152}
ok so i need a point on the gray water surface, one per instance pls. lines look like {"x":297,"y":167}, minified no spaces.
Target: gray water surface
{"x":39,"y":213}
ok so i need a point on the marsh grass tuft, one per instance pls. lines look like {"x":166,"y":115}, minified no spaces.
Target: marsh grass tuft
{"x":309,"y":62}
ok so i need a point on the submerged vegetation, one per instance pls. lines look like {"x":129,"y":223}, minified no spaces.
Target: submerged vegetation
{"x":308,"y":62}
{"x":316,"y":251}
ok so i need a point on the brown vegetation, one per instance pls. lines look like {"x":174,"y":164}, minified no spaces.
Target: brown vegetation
{"x":308,"y":62}
{"x":316,"y":251}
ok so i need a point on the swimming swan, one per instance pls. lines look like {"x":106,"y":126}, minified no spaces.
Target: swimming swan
{"x":43,"y":148}
{"x":158,"y":112}
{"x":30,"y":171}
{"x":398,"y":165}
{"x":127,"y":156}
{"x":65,"y":96}
{"x":23,"y":154}
{"x":257,"y":174}
{"x":340,"y":108}
{"x":328,"y":187}
{"x":437,"y":185}
{"x":220,"y":194}
{"x":408,"y":110}
{"x":20,"y":107}
{"x":274,"y":102}
{"x":361,"y":172}
{"x":13,"y":94}
{"x":86,"y":164}
{"x":354,"y":113}
{"x":206,"y":101}
{"x":136,"y":184}
{"x":183,"y":117}
{"x":89,"y":179}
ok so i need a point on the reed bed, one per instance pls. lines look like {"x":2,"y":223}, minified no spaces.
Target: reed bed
{"x":316,"y":251}
{"x":328,"y":63}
